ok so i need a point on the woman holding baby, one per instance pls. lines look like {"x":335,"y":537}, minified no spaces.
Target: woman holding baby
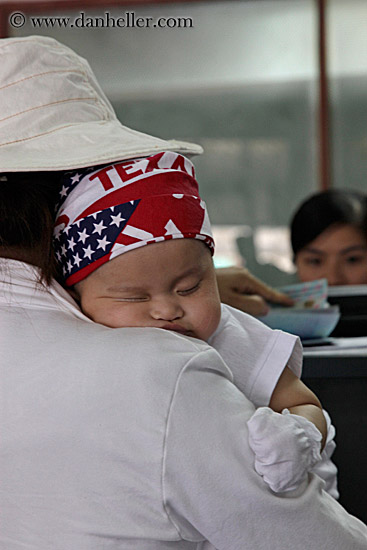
{"x":134,"y":437}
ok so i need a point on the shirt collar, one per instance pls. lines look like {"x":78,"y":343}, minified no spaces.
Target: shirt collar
{"x":20,"y":287}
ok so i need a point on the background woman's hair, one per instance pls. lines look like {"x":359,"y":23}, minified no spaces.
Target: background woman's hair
{"x":324,"y":209}
{"x":27,"y":209}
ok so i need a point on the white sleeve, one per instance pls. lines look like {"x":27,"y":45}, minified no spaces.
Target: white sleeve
{"x":256,"y":354}
{"x":210,"y":489}
{"x":326,"y":468}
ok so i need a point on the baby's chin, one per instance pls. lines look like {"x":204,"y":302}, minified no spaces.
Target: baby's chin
{"x":177,"y":329}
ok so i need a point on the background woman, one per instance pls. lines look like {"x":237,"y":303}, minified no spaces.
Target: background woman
{"x":329,"y":238}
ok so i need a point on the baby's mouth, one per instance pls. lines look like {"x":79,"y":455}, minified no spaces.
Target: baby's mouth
{"x":177,"y":328}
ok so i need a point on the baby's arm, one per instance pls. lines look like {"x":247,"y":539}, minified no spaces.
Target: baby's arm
{"x":292,"y":394}
{"x":257,"y":356}
{"x":287,"y":445}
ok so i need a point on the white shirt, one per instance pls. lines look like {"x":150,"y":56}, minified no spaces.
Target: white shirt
{"x":256,"y":354}
{"x":106,"y":442}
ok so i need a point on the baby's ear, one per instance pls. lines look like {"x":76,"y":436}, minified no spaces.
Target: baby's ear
{"x":74,"y":294}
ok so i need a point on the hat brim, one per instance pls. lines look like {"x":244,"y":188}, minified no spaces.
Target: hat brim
{"x":85,"y":144}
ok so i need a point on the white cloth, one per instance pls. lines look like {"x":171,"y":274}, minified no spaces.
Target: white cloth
{"x":106,"y":442}
{"x":286,"y":447}
{"x":256,"y":354}
{"x":326,"y":469}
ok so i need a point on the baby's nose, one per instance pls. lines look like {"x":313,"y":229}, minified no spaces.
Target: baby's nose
{"x":166,"y":309}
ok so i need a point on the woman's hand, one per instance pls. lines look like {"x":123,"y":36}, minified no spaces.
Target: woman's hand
{"x":239,"y":289}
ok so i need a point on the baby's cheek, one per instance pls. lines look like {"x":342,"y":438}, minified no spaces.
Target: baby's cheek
{"x":125,"y":314}
{"x":211,"y":319}
{"x":110,"y":315}
{"x":120,"y":317}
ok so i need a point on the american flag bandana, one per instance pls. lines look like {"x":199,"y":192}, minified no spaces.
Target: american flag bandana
{"x":107,"y":211}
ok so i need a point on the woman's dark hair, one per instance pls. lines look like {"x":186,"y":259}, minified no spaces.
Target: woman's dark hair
{"x":27,"y":208}
{"x":324,"y":209}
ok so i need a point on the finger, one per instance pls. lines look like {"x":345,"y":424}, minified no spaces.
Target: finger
{"x":249,"y":284}
{"x":274,"y":296}
{"x":270,"y":294}
{"x":239,"y":280}
{"x":253,"y":305}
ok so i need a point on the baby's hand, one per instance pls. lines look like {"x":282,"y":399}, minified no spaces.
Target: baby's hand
{"x":286,"y":447}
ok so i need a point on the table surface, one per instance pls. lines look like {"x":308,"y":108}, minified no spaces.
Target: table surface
{"x":343,"y":357}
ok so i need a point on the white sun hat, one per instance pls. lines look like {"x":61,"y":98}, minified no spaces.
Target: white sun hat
{"x":55,"y":116}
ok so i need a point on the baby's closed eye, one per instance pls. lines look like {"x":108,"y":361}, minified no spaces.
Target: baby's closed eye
{"x":190,"y":290}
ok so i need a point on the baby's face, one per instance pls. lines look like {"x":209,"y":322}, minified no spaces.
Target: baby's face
{"x":169,"y":285}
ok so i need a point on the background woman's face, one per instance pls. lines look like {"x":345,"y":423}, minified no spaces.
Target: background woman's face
{"x":339,"y":254}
